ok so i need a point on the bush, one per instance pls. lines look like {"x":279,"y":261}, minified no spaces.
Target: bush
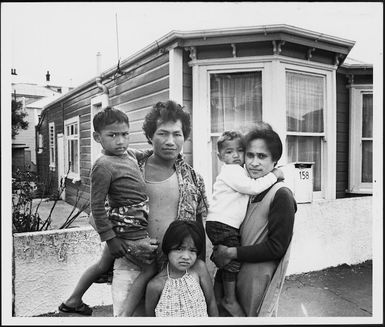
{"x":25,"y":218}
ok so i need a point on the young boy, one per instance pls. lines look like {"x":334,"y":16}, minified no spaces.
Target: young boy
{"x":228,"y":208}
{"x":115,"y":176}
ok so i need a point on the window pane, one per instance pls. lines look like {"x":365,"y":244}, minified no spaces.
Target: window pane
{"x":304,"y":103}
{"x":307,"y":149}
{"x":367,"y":162}
{"x":367,"y":115}
{"x":235,"y":100}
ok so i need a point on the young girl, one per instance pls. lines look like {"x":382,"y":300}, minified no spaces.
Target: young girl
{"x":183,"y":288}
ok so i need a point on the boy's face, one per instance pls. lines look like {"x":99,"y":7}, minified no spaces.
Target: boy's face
{"x":232,"y":152}
{"x":113,"y":138}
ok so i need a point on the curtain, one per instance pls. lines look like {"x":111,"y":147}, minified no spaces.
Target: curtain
{"x":235,"y":103}
{"x":236,"y":100}
{"x":304,"y":110}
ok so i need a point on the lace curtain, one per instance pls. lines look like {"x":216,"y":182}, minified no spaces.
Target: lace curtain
{"x":235,"y":103}
{"x":304,"y":110}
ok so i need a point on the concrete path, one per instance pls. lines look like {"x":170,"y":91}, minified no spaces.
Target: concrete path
{"x":343,"y":291}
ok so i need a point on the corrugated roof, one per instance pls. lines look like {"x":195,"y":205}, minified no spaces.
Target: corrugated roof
{"x":45,"y":101}
{"x":32,"y":89}
{"x":354,"y":63}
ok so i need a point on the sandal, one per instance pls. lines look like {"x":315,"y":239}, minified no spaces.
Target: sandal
{"x":82,"y":309}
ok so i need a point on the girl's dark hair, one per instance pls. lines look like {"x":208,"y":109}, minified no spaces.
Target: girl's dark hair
{"x":108,"y":116}
{"x":178,"y":231}
{"x":265,"y":131}
{"x":163,"y":112}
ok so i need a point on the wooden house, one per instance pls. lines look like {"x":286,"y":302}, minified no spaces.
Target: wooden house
{"x":300,"y":81}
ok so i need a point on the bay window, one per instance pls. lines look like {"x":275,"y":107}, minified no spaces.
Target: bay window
{"x":296,"y":98}
{"x":361,"y":139}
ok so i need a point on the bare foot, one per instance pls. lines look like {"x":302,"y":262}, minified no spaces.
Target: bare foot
{"x":233,"y":308}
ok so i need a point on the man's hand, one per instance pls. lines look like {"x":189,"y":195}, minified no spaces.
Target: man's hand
{"x":143,"y":250}
{"x":221,"y":256}
{"x":116,"y":247}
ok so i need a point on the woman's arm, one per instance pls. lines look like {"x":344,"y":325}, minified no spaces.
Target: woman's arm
{"x":280,"y":230}
{"x":207,"y":288}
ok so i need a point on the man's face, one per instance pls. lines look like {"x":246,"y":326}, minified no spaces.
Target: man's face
{"x":168,"y":140}
{"x":258,"y":159}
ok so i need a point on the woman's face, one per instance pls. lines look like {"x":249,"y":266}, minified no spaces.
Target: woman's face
{"x":183,"y":257}
{"x":258,"y":159}
{"x":168,"y":140}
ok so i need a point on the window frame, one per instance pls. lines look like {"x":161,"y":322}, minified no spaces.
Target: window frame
{"x":52,"y":146}
{"x":273,"y":70}
{"x":71,"y":121}
{"x":356,"y":186}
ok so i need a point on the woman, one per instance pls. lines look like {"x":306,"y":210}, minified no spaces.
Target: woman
{"x":267,"y":228}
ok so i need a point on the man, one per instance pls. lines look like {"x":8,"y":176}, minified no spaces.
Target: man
{"x":174,"y":189}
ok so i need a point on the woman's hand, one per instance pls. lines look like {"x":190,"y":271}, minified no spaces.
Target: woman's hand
{"x":222,"y":255}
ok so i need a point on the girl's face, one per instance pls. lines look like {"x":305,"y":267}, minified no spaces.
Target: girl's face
{"x":183,"y":257}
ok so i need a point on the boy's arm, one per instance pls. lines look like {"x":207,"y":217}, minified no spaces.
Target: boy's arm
{"x":235,"y":177}
{"x":207,"y":288}
{"x":100,"y":183}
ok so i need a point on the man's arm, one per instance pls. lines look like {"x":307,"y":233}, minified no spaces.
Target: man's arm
{"x":207,"y":288}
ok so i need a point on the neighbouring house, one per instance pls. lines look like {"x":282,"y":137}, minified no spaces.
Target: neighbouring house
{"x":318,"y":100}
{"x":33,"y":98}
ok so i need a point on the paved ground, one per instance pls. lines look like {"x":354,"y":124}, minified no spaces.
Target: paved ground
{"x":343,"y":291}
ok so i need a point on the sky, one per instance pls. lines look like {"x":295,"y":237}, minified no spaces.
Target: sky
{"x":64,"y":37}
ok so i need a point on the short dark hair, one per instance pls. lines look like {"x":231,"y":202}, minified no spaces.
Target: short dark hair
{"x":229,"y":136}
{"x":163,"y":112}
{"x":108,"y":116}
{"x":178,"y":231}
{"x":264,"y":131}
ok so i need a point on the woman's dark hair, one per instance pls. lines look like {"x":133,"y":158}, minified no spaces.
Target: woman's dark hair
{"x":107,"y":117}
{"x":163,"y":112}
{"x":264,"y":131}
{"x":178,"y":231}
